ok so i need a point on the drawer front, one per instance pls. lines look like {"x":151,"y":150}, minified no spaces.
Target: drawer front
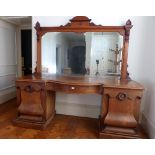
{"x":123,"y":94}
{"x":97,"y":89}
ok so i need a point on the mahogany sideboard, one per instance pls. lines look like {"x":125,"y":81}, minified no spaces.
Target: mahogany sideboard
{"x":121,"y":96}
{"x":120,"y":105}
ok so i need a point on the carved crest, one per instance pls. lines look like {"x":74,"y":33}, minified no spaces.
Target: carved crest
{"x":128,"y":26}
{"x":80,"y":21}
{"x":37,"y":26}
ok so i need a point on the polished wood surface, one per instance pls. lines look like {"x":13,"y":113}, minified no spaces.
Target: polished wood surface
{"x":107,"y":81}
{"x":119,"y":108}
{"x":83,"y":24}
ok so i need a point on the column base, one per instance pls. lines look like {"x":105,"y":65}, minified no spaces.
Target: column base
{"x":33,"y":124}
{"x":110,"y":132}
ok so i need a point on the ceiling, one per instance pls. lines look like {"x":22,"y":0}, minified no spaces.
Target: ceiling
{"x":18,"y":20}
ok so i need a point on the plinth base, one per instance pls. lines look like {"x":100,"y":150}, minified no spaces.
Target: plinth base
{"x":33,"y":124}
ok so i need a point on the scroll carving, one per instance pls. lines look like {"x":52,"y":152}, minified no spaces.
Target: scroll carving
{"x":121,"y":96}
{"x":29,"y":89}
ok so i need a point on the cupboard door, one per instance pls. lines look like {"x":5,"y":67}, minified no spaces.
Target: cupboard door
{"x":120,"y":111}
{"x":32,"y":99}
{"x":36,"y":106}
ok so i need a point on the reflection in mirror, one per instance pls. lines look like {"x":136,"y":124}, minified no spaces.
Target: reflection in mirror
{"x":91,"y":53}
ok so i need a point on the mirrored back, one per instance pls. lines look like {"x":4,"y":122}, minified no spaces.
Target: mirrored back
{"x":89,"y":53}
{"x":81,"y":47}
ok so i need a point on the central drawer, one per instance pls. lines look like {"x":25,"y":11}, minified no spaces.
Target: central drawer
{"x":73,"y":88}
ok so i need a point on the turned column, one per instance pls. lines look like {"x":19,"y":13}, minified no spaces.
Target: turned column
{"x":124,"y":72}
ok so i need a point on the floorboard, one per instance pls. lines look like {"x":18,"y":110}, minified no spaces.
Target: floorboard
{"x":64,"y":127}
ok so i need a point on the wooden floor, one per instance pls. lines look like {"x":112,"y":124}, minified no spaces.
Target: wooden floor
{"x":65,"y":127}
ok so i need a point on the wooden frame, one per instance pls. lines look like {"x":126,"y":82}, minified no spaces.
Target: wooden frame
{"x":84,"y":24}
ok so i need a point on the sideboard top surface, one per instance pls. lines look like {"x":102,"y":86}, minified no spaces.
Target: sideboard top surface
{"x":106,"y":81}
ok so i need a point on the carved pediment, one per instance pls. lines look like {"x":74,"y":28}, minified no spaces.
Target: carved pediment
{"x":80,"y":18}
{"x":80,"y":21}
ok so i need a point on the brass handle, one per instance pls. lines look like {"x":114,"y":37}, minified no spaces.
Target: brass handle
{"x":72,"y":88}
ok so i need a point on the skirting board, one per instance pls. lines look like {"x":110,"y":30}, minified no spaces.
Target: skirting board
{"x":75,"y":109}
{"x":148,"y":126}
{"x":6,"y":97}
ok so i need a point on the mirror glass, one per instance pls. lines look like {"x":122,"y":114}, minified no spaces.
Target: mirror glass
{"x":90,"y":53}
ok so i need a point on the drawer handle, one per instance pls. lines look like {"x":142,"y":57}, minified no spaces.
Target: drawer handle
{"x":72,"y":88}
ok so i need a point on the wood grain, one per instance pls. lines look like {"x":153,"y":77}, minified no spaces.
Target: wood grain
{"x":64,"y":127}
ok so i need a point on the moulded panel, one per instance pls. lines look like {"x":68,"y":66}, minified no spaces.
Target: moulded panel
{"x":7,"y":69}
{"x":7,"y":46}
{"x":7,"y":81}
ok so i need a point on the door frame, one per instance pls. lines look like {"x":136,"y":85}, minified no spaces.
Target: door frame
{"x":19,"y":48}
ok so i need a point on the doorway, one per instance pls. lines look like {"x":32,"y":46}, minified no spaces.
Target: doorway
{"x":26,"y":48}
{"x":77,"y":60}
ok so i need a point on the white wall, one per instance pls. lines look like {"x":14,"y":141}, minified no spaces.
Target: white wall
{"x":10,"y":57}
{"x":141,"y":67}
{"x":8,"y":63}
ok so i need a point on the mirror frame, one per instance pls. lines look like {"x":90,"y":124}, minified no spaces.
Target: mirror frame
{"x":83,"y":24}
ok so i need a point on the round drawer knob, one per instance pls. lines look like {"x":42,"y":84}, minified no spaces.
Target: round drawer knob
{"x":72,"y":88}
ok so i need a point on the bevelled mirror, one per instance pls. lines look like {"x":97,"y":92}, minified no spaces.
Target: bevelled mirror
{"x":89,"y":53}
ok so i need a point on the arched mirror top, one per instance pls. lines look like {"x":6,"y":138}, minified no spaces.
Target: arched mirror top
{"x":83,"y":28}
